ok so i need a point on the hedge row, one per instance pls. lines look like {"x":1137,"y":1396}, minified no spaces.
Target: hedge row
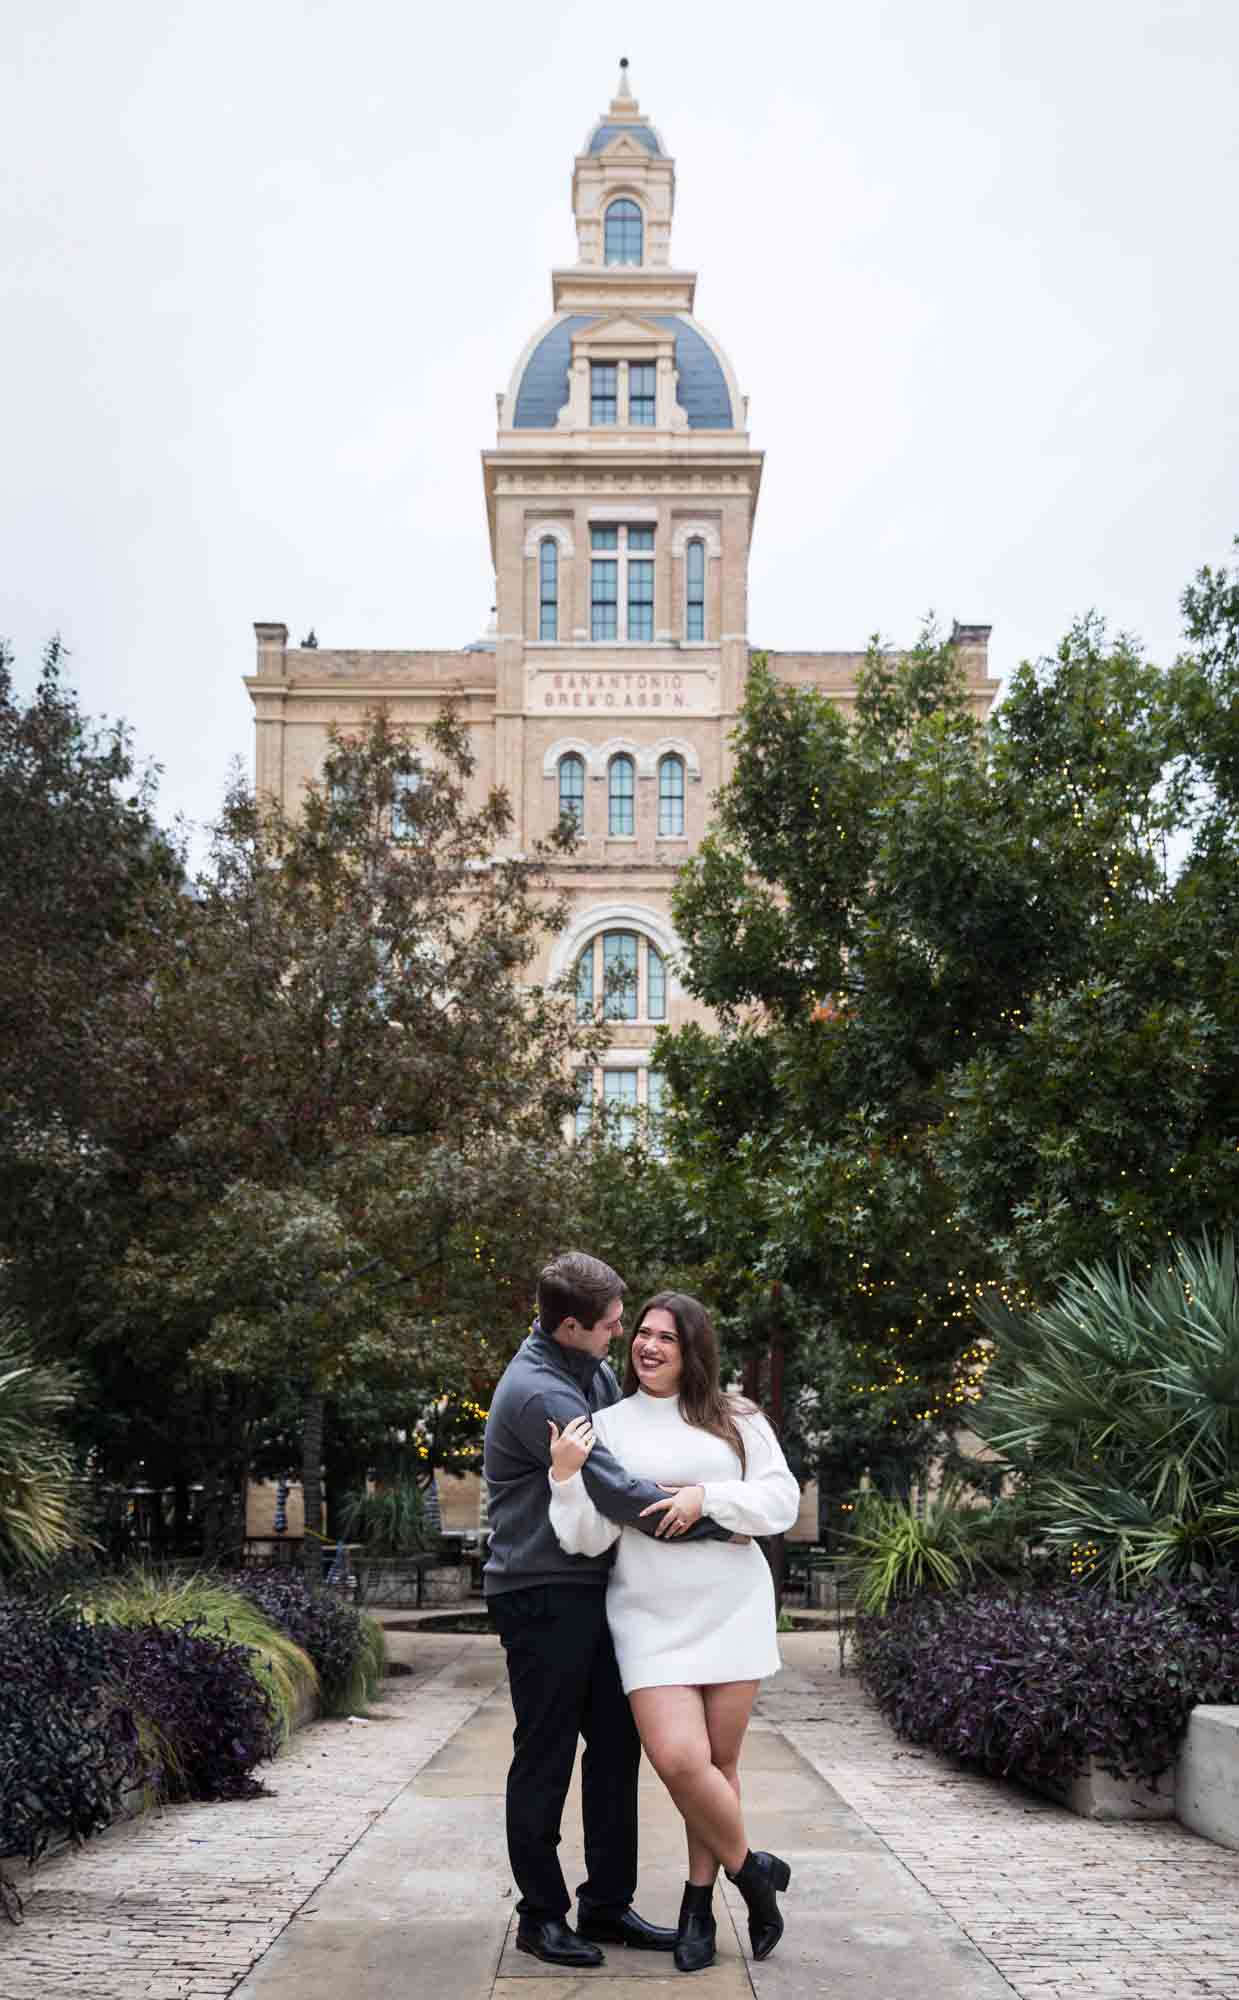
{"x":1033,"y":1686}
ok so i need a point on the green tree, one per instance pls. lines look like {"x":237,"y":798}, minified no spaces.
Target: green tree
{"x":886,"y":905}
{"x":1105,"y":1119}
{"x":321,"y":1136}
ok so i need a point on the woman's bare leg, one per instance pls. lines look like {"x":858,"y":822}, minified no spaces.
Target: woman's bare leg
{"x":672,"y":1723}
{"x":728,"y":1706}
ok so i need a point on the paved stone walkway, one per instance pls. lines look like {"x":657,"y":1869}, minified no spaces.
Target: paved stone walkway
{"x":375,"y":1870}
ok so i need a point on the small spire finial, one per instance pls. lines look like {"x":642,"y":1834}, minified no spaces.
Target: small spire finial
{"x":623,"y":91}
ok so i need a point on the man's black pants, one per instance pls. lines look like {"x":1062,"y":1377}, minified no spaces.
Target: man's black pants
{"x":565,"y":1684}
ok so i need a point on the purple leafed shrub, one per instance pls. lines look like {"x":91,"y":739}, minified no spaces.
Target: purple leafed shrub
{"x":318,"y":1621}
{"x":68,"y":1747}
{"x":210,"y":1719}
{"x":1035,"y":1685}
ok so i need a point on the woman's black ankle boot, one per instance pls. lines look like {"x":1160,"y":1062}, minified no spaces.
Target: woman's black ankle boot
{"x":757,"y":1879}
{"x":694,"y":1936}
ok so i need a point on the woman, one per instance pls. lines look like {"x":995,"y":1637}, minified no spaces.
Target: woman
{"x":693,"y":1634}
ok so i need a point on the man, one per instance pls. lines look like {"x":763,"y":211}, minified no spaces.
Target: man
{"x":549,"y":1611}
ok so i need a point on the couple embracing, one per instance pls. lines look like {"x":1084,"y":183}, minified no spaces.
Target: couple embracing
{"x":634,"y":1608}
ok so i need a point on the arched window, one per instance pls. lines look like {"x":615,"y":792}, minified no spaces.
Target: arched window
{"x":624,"y":232}
{"x":572,"y":789}
{"x":620,"y":796}
{"x":656,"y":985}
{"x":548,"y":588}
{"x":670,"y":797}
{"x":626,"y":973}
{"x":695,"y":591}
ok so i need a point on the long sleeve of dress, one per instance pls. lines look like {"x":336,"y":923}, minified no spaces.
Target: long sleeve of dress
{"x":614,"y":1492}
{"x":767,"y":1500}
{"x":579,"y":1528}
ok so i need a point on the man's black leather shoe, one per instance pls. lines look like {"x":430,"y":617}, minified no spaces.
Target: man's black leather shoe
{"x":623,"y":1927}
{"x":552,"y":1940}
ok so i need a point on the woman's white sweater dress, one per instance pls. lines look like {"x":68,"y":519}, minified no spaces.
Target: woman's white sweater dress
{"x":686,"y":1614}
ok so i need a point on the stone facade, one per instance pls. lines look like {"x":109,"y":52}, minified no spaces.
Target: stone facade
{"x":621,"y":493}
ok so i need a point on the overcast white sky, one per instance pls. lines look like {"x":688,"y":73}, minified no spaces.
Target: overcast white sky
{"x":264,"y":266}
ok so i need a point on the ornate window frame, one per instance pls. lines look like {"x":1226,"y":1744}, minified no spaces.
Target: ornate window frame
{"x":599,"y":917}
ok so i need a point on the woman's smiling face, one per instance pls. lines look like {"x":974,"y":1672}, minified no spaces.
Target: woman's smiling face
{"x":656,"y":1354}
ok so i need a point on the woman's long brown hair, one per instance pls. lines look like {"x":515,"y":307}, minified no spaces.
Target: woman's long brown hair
{"x":704,"y":1402}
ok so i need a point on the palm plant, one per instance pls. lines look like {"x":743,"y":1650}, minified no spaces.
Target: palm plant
{"x":38,"y":1521}
{"x":1117,"y":1406}
{"x":894,"y":1553}
{"x":389,"y":1522}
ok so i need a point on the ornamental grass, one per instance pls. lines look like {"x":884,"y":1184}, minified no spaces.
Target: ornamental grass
{"x":141,"y":1597}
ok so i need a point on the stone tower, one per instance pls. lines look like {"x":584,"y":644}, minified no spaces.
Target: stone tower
{"x":621,"y":493}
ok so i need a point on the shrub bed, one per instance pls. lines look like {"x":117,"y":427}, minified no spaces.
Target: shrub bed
{"x":203,"y":1716}
{"x":67,"y":1751}
{"x":1033,"y":1686}
{"x":90,"y":1711}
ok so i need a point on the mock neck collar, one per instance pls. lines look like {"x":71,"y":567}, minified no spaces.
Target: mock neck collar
{"x":581,"y":1366}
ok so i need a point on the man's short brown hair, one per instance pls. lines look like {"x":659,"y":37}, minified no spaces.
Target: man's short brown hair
{"x":574,"y":1286}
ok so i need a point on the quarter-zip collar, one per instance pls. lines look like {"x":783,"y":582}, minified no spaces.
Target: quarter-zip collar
{"x":574,"y":1361}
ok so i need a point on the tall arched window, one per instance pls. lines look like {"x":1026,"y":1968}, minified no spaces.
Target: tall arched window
{"x":655,"y":984}
{"x":621,"y":816}
{"x":670,"y":797}
{"x":695,"y":591}
{"x":624,"y":232}
{"x":548,"y":588}
{"x":572,"y":789}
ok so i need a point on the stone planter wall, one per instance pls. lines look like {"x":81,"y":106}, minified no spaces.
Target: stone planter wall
{"x":1201,"y":1790}
{"x":390,"y":1582}
{"x":1095,"y":1794}
{"x":1207,"y":1798}
{"x":449,"y":1585}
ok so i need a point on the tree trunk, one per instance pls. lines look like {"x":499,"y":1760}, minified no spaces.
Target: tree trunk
{"x":212,"y":1495}
{"x":312,"y":1486}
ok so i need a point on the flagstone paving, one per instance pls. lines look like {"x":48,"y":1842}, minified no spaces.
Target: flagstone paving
{"x":375,"y":1870}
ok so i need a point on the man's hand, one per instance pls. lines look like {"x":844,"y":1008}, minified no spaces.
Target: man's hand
{"x":570,"y":1447}
{"x":681,"y":1511}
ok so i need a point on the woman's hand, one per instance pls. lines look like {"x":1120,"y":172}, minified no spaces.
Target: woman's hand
{"x":680,"y":1512}
{"x":570,"y":1447}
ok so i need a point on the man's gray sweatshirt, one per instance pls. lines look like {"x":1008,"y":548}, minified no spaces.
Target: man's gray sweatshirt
{"x":545,"y":1381}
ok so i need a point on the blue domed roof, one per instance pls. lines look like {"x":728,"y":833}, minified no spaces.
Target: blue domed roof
{"x":603,"y":134}
{"x":701,"y":392}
